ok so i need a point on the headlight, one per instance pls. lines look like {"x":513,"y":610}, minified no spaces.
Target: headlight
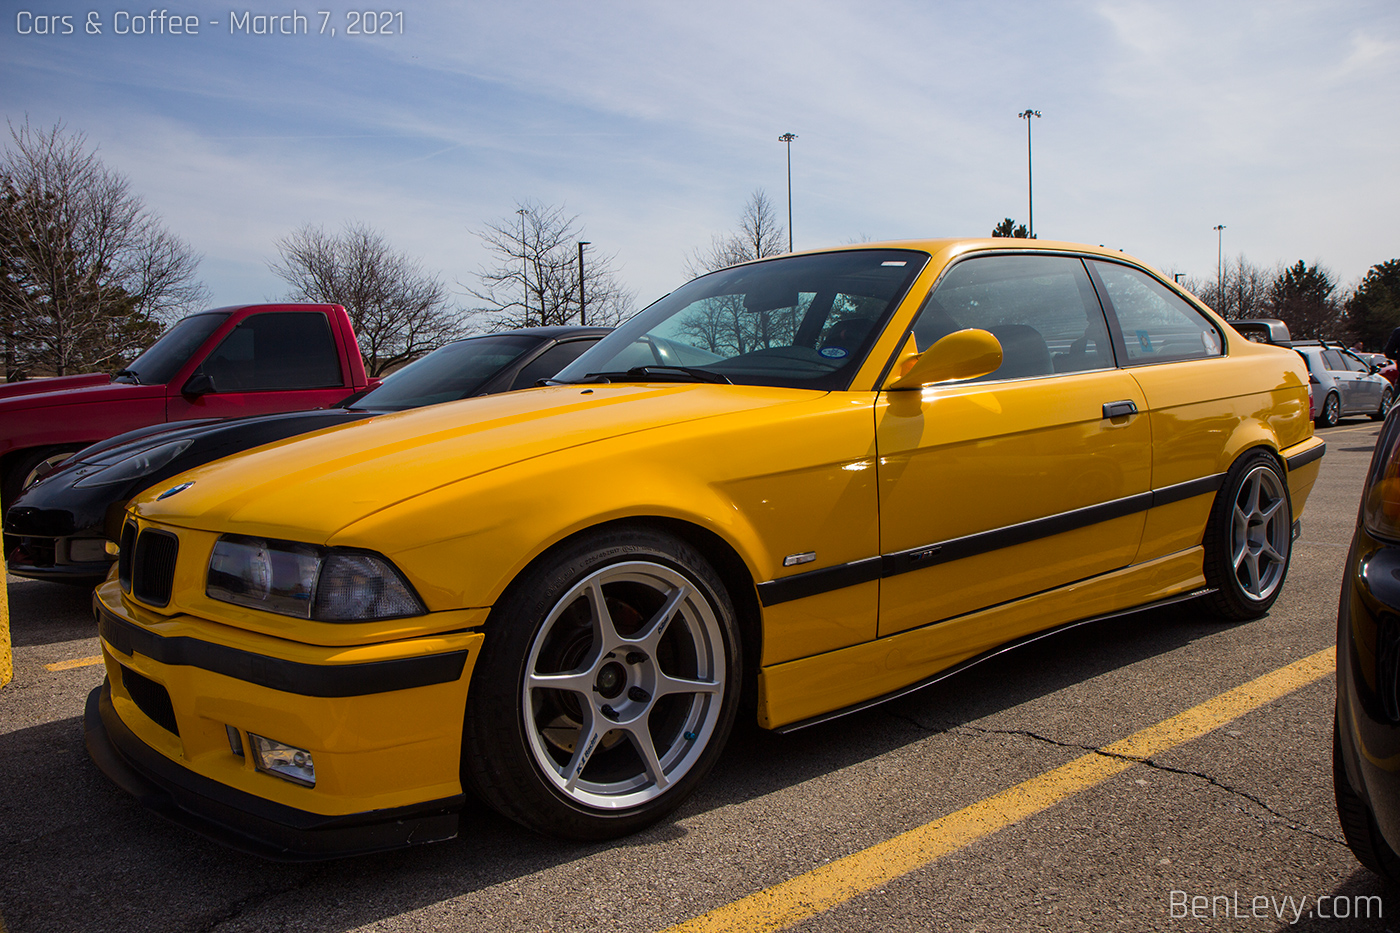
{"x":309,"y":582}
{"x":137,"y":465}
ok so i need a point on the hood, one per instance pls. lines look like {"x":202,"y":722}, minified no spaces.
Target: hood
{"x":58,"y":384}
{"x":308,"y":488}
{"x":70,"y":390}
{"x":75,"y":498}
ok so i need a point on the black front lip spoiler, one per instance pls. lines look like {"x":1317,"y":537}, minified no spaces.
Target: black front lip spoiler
{"x":243,"y":821}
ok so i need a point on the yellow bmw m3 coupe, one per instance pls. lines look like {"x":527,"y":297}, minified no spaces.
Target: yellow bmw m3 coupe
{"x":809,"y":483}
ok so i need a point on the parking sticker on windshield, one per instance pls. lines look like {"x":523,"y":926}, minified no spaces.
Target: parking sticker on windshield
{"x":833,"y":353}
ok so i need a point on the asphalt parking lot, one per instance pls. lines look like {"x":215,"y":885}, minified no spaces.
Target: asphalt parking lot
{"x":993,"y":801}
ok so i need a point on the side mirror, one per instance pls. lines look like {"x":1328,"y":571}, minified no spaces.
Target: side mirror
{"x":201,"y":383}
{"x":963,"y":354}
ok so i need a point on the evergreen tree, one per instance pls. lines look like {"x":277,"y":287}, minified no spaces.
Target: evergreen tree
{"x":1373,"y":310}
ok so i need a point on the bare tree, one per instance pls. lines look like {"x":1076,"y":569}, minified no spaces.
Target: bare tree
{"x":722,"y":324}
{"x":758,"y":235}
{"x":535,"y":276}
{"x":88,"y":275}
{"x":399,"y":310}
{"x":1245,"y":291}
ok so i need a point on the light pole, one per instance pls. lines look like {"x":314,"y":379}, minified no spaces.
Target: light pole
{"x":788,"y":138}
{"x":1030,"y":190}
{"x":582,"y":320}
{"x":1220,"y":264}
{"x":525,"y":269}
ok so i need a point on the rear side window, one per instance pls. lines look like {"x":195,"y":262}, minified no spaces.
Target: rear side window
{"x":1158,"y":324}
{"x":550,"y":362}
{"x":1353,"y":364}
{"x":279,"y":350}
{"x":1042,"y":309}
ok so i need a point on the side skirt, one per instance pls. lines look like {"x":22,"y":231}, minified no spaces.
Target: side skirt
{"x":796,"y":694}
{"x":984,"y":656}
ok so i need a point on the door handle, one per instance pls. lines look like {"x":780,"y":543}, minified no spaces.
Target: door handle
{"x":1119,"y":409}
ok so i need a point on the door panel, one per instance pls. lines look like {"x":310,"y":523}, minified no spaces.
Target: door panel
{"x":961,"y":466}
{"x":1023,"y":480}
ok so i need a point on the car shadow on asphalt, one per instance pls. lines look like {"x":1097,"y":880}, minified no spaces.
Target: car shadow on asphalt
{"x":78,"y":854}
{"x":45,"y":613}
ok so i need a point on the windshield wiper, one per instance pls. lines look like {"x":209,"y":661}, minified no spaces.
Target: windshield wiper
{"x":672,"y":374}
{"x":122,"y":374}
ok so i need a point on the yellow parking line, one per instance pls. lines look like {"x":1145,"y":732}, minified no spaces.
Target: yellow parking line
{"x":76,"y":662}
{"x":809,"y":894}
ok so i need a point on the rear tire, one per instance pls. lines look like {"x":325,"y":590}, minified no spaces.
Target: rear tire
{"x":1331,"y":411}
{"x":606,"y":687}
{"x":1387,"y":396}
{"x":1359,"y":827}
{"x":1248,"y":539}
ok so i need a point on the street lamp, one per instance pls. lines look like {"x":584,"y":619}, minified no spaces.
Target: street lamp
{"x":1030,"y":193}
{"x":1220,"y":264}
{"x":525,"y":270}
{"x":788,"y":138}
{"x":581,"y":319}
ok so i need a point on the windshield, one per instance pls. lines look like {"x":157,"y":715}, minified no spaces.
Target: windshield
{"x":795,"y":321}
{"x":455,"y":371}
{"x":163,"y":360}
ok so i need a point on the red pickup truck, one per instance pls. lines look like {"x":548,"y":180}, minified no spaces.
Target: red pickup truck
{"x":241,"y":360}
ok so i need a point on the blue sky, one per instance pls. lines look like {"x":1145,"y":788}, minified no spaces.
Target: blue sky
{"x":653,"y":121}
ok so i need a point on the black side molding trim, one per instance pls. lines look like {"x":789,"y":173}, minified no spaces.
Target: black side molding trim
{"x":1306,"y":457}
{"x":819,"y":581}
{"x":815,"y":582}
{"x":312,"y":680}
{"x":1187,"y":490}
{"x":957,"y":548}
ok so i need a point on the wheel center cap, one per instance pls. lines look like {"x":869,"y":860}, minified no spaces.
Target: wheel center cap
{"x":611,"y":679}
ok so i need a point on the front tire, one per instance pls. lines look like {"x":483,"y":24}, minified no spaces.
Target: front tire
{"x":606,"y":688}
{"x":1359,"y":827}
{"x":1331,"y":411}
{"x":30,"y":467}
{"x":1248,"y":539}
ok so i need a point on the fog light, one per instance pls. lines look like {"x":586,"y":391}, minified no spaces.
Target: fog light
{"x":87,"y":550}
{"x":285,"y":761}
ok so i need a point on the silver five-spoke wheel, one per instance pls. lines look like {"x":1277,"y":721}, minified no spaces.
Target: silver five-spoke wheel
{"x":623,"y":684}
{"x":1261,"y":532}
{"x":607,"y":685}
{"x":1249,"y":538}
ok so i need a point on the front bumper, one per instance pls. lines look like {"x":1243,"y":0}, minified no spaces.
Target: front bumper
{"x":51,"y":559}
{"x":1368,"y":678}
{"x":383,"y":722}
{"x":243,"y":821}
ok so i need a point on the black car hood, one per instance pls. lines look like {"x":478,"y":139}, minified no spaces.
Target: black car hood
{"x":58,"y":507}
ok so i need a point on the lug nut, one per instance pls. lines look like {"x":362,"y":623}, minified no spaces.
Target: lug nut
{"x":635,"y":657}
{"x":638,"y":695}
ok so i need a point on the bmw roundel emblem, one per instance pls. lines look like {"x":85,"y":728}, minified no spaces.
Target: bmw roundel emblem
{"x":172,"y":490}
